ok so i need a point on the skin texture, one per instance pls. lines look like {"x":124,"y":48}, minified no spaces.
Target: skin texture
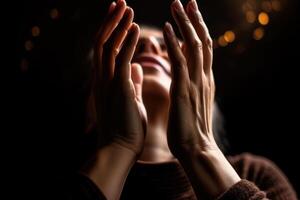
{"x":179,"y":102}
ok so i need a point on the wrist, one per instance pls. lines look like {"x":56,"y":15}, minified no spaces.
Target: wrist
{"x":109,"y":168}
{"x":210,"y":170}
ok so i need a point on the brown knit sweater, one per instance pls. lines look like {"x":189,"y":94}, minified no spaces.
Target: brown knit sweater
{"x":261,"y":179}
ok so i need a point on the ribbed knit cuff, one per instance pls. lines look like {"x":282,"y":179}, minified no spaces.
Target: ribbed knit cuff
{"x":243,"y":190}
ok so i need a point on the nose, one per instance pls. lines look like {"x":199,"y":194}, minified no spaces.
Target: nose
{"x":149,"y":45}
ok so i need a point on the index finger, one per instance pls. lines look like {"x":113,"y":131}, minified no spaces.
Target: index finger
{"x":191,"y":39}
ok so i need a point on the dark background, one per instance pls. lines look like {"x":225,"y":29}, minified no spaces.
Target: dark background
{"x":257,"y":83}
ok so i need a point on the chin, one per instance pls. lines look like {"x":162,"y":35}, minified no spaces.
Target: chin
{"x":156,"y":87}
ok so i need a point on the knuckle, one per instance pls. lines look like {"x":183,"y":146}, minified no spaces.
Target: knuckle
{"x":208,"y":42}
{"x":184,"y":18}
{"x":196,"y":44}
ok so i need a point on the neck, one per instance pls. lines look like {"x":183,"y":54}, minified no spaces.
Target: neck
{"x":156,"y":147}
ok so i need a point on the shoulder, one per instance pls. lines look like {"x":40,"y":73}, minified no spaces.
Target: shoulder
{"x":264,"y":173}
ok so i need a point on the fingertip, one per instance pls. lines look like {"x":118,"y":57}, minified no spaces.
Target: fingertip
{"x":137,"y":73}
{"x":129,"y":14}
{"x":129,"y":10}
{"x":122,"y":2}
{"x":112,"y":7}
{"x":134,"y":30}
{"x":169,"y":29}
{"x":135,"y":27}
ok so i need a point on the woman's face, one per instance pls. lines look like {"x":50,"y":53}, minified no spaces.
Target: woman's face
{"x":151,"y":54}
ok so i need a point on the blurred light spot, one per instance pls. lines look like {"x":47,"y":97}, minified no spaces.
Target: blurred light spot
{"x":54,"y":14}
{"x":258,"y":33}
{"x":222,"y":42}
{"x":276,"y":5}
{"x":250,"y":16}
{"x":35,"y":31}
{"x":263,"y":18}
{"x":266,"y":6}
{"x":229,"y":36}
{"x":24,"y":65}
{"x":28,"y":45}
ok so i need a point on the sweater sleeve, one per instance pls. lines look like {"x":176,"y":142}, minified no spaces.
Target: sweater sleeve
{"x":261,"y":179}
{"x":243,"y":190}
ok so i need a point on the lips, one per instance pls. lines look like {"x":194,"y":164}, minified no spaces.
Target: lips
{"x":153,"y":61}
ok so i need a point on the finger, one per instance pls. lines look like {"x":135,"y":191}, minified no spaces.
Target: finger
{"x":113,"y":18}
{"x":193,"y":43}
{"x":112,"y":46}
{"x":122,"y":68}
{"x":180,"y":77}
{"x":203,"y":33}
{"x":111,"y":21}
{"x":137,"y":79}
{"x":111,"y":7}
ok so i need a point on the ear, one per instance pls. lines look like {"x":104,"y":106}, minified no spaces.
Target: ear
{"x":137,"y":79}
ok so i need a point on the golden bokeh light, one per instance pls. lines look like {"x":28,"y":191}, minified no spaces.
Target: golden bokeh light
{"x":35,"y":31}
{"x":222,"y":42}
{"x":250,"y":16}
{"x":258,"y":33}
{"x":54,"y":14}
{"x":28,"y":45}
{"x":229,"y":36}
{"x":263,"y":18}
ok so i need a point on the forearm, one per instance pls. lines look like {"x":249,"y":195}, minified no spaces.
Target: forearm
{"x":209,"y":172}
{"x":109,"y":169}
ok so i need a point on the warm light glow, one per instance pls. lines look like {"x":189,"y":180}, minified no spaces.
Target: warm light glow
{"x":276,"y":5}
{"x":266,"y":6}
{"x":222,"y":42}
{"x":28,"y":45}
{"x":263,"y":18}
{"x":35,"y":31}
{"x":229,"y":36}
{"x":250,"y":16}
{"x":54,"y":14}
{"x":258,"y":33}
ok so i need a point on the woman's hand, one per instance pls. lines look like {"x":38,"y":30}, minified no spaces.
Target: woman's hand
{"x":190,"y":135}
{"x":120,"y":112}
{"x":193,"y":88}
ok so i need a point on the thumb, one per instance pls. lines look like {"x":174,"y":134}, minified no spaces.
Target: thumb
{"x":137,"y":79}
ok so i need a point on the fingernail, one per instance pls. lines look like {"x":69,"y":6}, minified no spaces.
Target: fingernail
{"x":177,"y":5}
{"x":194,"y":5}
